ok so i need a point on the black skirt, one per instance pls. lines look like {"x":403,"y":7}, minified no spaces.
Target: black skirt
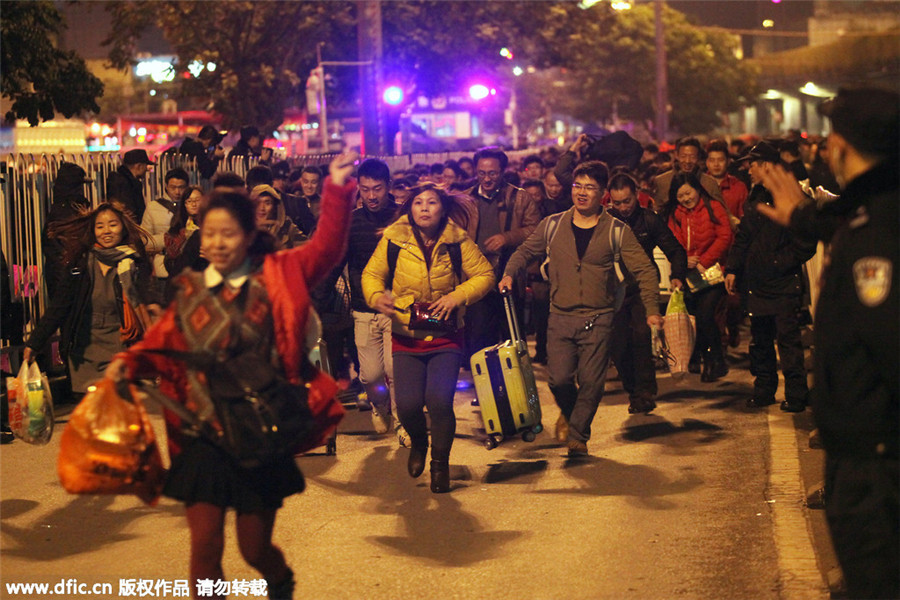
{"x":204,"y":473}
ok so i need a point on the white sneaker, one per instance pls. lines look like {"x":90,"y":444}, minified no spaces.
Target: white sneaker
{"x":403,"y":437}
{"x":381,"y":422}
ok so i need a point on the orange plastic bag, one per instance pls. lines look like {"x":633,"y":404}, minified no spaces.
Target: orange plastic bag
{"x":109,"y":447}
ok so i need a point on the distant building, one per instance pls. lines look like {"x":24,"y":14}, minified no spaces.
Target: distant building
{"x":849,"y":42}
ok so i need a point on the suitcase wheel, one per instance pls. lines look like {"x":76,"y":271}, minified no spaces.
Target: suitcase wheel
{"x":537,"y":428}
{"x":491,"y":442}
{"x":331,"y":447}
{"x":528,"y":436}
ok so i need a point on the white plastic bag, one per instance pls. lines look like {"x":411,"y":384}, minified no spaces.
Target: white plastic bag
{"x":30,"y":405}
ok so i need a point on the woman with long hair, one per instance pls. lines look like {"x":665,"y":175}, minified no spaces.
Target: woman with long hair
{"x":702,"y":226}
{"x":103,"y":300}
{"x":249,"y":298}
{"x":425,"y":262}
{"x":182,"y":245}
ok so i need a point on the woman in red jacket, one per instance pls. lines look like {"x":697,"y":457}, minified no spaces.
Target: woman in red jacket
{"x":701,"y":225}
{"x":248,"y":298}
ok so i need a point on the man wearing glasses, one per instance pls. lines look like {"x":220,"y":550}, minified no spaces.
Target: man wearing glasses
{"x":504,"y":217}
{"x":583,"y":285}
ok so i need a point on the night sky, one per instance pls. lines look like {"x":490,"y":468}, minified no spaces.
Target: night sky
{"x":87,"y":18}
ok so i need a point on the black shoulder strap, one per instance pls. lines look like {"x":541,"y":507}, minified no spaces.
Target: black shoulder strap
{"x":393,"y":251}
{"x":455,"y":253}
{"x":168,"y":204}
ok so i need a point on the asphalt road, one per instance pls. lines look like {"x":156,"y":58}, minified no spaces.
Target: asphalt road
{"x":701,"y":499}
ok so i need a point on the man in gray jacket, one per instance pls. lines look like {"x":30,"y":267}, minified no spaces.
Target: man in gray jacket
{"x":583,"y":285}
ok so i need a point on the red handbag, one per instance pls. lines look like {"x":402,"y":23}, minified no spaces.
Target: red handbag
{"x":421,"y":318}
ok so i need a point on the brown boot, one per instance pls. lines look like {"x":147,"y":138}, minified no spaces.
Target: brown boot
{"x":562,"y":429}
{"x":577,"y":448}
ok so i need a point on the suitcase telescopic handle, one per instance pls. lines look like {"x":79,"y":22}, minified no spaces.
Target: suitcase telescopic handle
{"x":511,"y":319}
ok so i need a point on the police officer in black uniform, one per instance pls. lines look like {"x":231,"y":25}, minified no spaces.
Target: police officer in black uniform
{"x":855,"y":398}
{"x":766,"y":263}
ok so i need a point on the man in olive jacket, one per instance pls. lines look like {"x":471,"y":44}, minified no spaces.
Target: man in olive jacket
{"x":583,"y":285}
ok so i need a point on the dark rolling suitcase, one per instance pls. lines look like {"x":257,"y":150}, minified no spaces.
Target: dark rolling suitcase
{"x":505,"y":386}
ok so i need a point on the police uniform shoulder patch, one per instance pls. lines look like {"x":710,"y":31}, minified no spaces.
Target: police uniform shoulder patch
{"x":872,"y":275}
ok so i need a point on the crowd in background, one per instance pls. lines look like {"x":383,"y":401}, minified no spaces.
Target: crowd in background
{"x":288,"y":195}
{"x":442,"y":235}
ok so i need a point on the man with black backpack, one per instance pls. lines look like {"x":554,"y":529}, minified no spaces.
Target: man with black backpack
{"x":372,"y":330}
{"x":632,"y":348}
{"x":584,"y":249}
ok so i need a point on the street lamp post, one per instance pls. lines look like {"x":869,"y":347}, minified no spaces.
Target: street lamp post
{"x":662,"y":79}
{"x":320,"y":70}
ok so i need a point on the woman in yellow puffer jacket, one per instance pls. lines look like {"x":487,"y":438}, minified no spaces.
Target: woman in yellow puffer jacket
{"x":434,"y":263}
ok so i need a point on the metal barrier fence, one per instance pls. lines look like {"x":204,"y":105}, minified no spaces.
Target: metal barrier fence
{"x":26,"y":195}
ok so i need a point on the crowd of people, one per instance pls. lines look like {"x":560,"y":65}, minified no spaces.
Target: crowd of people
{"x":371,"y":253}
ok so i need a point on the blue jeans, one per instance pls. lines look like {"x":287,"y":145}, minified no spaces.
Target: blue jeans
{"x":577,"y":359}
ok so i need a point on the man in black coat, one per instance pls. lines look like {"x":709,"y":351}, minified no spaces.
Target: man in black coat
{"x":766,"y":264}
{"x":125,"y":186}
{"x":205,"y":150}
{"x":631,"y":348}
{"x":856,"y":398}
{"x":68,"y":201}
{"x":372,"y":330}
{"x":249,"y":145}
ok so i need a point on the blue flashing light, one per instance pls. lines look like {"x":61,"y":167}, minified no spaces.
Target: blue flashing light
{"x":393,"y":95}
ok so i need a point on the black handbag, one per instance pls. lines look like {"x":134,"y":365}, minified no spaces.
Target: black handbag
{"x":421,"y":318}
{"x":263,"y":416}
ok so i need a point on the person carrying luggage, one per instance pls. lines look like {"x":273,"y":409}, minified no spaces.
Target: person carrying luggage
{"x":249,"y":302}
{"x":583,"y":286}
{"x":424,"y":272}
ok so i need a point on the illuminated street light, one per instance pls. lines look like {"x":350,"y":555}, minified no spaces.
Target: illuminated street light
{"x":159,"y":71}
{"x":517,"y":70}
{"x":768,"y":23}
{"x":621,"y":5}
{"x":506,"y":53}
{"x":811,"y":89}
